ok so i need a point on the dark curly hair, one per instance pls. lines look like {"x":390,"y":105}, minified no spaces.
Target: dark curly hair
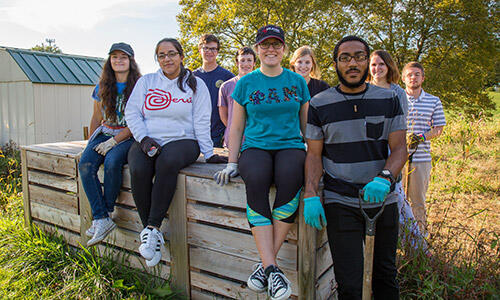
{"x":108,"y":90}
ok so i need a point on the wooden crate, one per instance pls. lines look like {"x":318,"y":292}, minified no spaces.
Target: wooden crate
{"x":209,"y":249}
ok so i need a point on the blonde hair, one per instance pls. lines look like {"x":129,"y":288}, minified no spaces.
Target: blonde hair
{"x":303,"y":51}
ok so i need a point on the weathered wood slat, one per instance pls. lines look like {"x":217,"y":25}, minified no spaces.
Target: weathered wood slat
{"x":57,"y":181}
{"x":71,"y":238}
{"x":201,"y":295}
{"x":55,"y":216}
{"x":65,"y":149}
{"x":51,"y":163}
{"x":126,"y":198}
{"x":326,"y":286}
{"x":26,"y":194}
{"x":237,"y":244}
{"x":53,"y":198}
{"x":127,"y":218}
{"x":307,"y":258}
{"x":178,"y":238}
{"x":225,"y":216}
{"x":240,"y":268}
{"x":222,"y":287}
{"x":323,"y":259}
{"x":125,"y":178}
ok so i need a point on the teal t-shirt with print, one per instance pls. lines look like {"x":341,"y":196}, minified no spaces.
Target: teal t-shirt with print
{"x":120,"y":106}
{"x":272,"y":106}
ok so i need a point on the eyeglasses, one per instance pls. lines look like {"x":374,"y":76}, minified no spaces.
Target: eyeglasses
{"x":170,"y":54}
{"x":357,"y":57}
{"x":211,"y":49}
{"x":276,"y":45}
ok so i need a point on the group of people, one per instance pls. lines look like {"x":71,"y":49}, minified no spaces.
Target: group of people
{"x":282,"y":126}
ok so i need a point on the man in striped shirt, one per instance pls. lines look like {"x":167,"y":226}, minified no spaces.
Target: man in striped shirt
{"x":349,"y":131}
{"x":425,"y":122}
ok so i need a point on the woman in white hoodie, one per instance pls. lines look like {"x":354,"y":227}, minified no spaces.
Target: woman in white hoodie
{"x":168,"y":113}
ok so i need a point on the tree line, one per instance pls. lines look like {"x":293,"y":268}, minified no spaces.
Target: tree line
{"x":457,"y":41}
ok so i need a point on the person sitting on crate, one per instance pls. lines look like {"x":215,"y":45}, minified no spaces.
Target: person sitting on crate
{"x":350,"y":129}
{"x":270,"y":109}
{"x":169,"y":116}
{"x":110,"y":138}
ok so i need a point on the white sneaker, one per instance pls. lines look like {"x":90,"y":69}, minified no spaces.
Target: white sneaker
{"x":102,"y":228}
{"x":257,"y":281}
{"x":157,"y":256}
{"x":90,"y":232}
{"x":149,"y":239}
{"x":278,"y":285}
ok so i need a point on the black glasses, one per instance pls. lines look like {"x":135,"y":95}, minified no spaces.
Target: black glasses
{"x":170,"y":54}
{"x":357,"y":57}
{"x":212,"y":49}
{"x":276,"y":45}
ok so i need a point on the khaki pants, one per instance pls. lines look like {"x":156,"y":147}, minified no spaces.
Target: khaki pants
{"x":418,"y":182}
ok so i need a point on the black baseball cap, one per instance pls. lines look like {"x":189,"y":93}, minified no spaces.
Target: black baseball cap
{"x":124,"y":47}
{"x":270,"y":31}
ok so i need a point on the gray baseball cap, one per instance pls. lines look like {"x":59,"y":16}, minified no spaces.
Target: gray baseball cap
{"x":124,"y":47}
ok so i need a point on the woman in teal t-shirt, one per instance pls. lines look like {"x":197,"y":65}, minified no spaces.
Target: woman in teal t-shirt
{"x":270,"y":109}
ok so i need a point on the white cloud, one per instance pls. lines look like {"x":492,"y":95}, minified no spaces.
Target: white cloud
{"x":56,"y":15}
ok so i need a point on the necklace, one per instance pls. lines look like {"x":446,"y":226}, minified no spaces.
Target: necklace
{"x":362,"y":98}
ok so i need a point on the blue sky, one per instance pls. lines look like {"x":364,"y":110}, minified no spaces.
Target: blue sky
{"x":90,"y":27}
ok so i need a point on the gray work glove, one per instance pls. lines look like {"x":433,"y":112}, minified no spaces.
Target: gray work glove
{"x":104,"y":147}
{"x":222,"y":177}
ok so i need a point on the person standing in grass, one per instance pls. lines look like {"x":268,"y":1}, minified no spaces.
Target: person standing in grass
{"x":384,"y":73}
{"x":169,"y":115}
{"x":270,"y":109}
{"x":304,"y":62}
{"x":425,"y":122}
{"x":214,"y":76}
{"x":245,"y":61}
{"x":110,"y":139}
{"x":350,"y":129}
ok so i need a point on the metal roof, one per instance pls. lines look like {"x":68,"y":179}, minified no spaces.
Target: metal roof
{"x":45,"y":67}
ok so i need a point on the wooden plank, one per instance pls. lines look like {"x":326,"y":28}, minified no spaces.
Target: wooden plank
{"x":133,"y":261}
{"x":237,"y":244}
{"x":55,"y":216}
{"x":230,"y":266}
{"x":26,"y":193}
{"x":125,"y":176}
{"x":64,"y":149}
{"x":326,"y":287}
{"x":70,"y":237}
{"x":178,"y":238}
{"x":225,"y":216}
{"x":202,"y":295}
{"x":127,"y":218}
{"x":84,"y":208}
{"x":321,"y":237}
{"x":323,"y":259}
{"x":307,"y":257}
{"x":206,"y":190}
{"x":52,"y":163}
{"x":223,"y":287}
{"x":126,"y":198}
{"x":53,"y":198}
{"x":56,"y":181}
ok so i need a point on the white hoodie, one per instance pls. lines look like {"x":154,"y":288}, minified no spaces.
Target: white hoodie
{"x":159,"y":109}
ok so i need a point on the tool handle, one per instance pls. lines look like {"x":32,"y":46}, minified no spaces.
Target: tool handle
{"x":368,"y":267}
{"x":369,"y":222}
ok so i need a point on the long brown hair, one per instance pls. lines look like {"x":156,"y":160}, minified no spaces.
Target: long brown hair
{"x":303,"y":51}
{"x":108,"y":90}
{"x":392,"y":69}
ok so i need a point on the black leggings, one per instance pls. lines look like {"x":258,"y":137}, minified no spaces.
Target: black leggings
{"x":153,"y":199}
{"x":259,"y":169}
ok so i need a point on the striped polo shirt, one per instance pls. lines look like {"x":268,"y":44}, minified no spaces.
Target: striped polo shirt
{"x":355,"y":129}
{"x":424,"y":112}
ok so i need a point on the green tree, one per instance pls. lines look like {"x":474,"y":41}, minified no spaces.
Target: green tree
{"x":52,"y":48}
{"x":456,"y":40}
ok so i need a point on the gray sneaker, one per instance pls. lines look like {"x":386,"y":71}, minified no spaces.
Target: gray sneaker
{"x":102,"y":228}
{"x":90,"y":232}
{"x":149,"y":240}
{"x":257,"y":281}
{"x":278,"y":285}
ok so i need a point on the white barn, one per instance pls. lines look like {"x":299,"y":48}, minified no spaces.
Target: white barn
{"x":45,"y":97}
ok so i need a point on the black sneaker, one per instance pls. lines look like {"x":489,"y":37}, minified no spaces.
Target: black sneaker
{"x":279,"y":287}
{"x":257,"y":281}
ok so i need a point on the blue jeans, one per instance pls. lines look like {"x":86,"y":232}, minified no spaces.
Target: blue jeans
{"x":101,"y":202}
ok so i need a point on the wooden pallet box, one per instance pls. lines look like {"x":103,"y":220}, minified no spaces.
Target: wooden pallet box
{"x":209,"y":251}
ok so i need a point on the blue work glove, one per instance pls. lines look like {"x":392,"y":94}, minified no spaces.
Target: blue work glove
{"x":313,"y":210}
{"x":376,"y":190}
